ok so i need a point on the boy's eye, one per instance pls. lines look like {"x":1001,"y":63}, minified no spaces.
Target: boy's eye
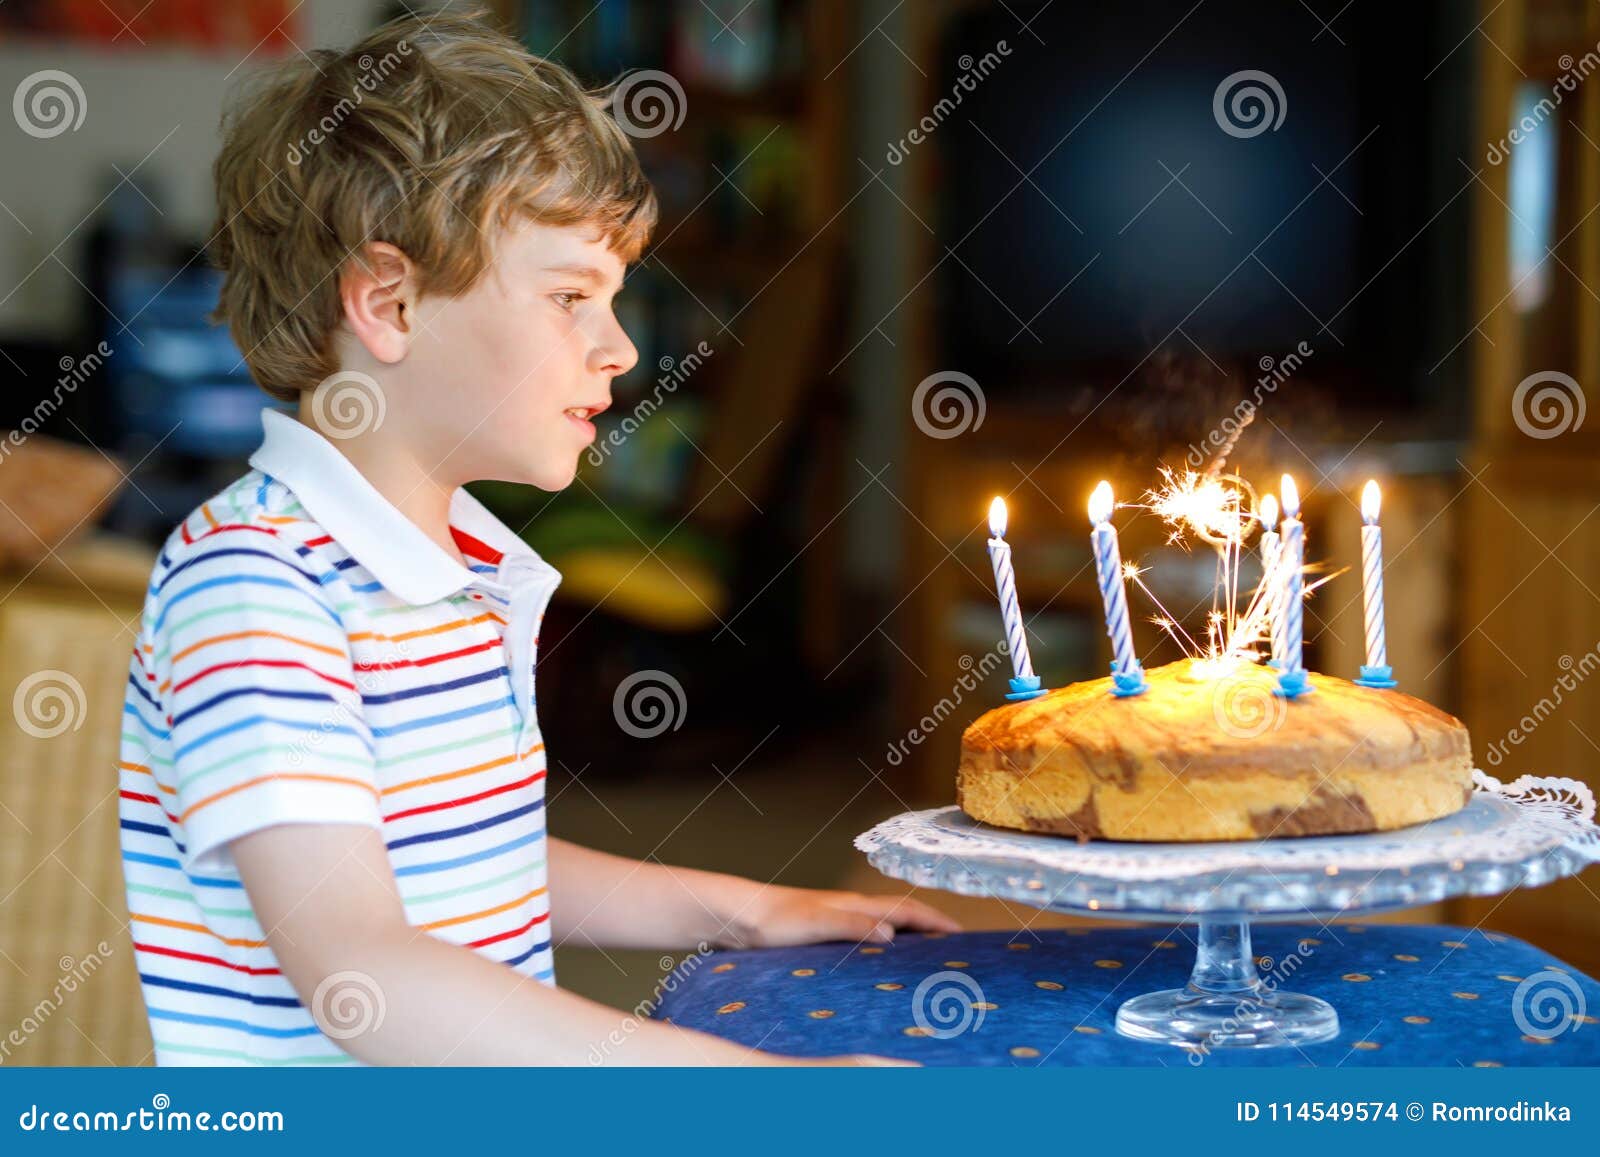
{"x":566,"y":299}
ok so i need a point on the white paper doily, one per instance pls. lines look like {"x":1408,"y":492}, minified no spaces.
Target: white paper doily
{"x":1519,"y":834}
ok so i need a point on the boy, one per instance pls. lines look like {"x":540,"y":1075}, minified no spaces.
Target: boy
{"x":333,"y":780}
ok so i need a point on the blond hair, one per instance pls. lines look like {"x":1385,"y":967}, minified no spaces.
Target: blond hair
{"x":431,"y":134}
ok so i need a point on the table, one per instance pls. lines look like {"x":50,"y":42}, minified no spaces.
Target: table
{"x":1419,"y":995}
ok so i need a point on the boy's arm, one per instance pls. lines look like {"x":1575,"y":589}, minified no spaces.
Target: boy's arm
{"x":326,"y":897}
{"x":612,"y":902}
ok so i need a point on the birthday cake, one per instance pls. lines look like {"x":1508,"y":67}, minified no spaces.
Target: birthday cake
{"x":1208,"y":753}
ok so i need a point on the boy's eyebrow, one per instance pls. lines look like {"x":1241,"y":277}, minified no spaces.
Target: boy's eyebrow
{"x":585,"y":272}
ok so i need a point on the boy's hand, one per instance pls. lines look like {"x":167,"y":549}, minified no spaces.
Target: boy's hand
{"x":779,"y":917}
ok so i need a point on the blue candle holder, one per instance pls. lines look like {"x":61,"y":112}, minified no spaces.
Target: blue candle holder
{"x":1027,"y":688}
{"x":1378,"y":678}
{"x":1293,"y":684}
{"x":1125,"y":684}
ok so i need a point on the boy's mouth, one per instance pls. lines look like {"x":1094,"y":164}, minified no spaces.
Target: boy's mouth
{"x":581,"y":415}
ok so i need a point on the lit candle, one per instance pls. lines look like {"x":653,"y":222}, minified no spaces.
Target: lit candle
{"x":1127,"y":676}
{"x":1271,"y":575}
{"x":1024,"y":684}
{"x":1292,"y":556}
{"x":1377,"y":672}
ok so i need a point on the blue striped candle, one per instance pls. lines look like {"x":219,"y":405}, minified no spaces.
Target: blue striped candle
{"x":1271,"y":575}
{"x":1377,"y":672}
{"x":1292,"y":552}
{"x":1108,"y":569}
{"x":1006,"y":585}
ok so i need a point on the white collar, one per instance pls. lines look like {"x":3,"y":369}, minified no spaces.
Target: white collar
{"x":408,"y":563}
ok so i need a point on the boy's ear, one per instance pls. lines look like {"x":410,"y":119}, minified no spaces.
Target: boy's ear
{"x":377,"y":290}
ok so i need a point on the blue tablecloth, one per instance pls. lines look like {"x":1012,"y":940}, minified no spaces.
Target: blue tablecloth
{"x":1406,"y":995}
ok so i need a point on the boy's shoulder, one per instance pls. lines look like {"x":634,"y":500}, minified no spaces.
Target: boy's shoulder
{"x":255,"y":516}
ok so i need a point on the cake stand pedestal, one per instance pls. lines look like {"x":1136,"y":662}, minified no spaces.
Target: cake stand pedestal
{"x":1510,"y":835}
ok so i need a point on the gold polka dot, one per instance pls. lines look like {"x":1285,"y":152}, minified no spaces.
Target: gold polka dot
{"x":888,"y":986}
{"x":1529,"y":1038}
{"x":956,"y":964}
{"x":1366,"y":1045}
{"x":1086,"y":1029}
{"x":820,"y":1013}
{"x":1311,"y":940}
{"x":1586,"y":1019}
{"x":986,"y":1005}
{"x":1487,"y":1065}
{"x":915,"y":1030}
{"x":1163,"y":944}
{"x":1108,"y":964}
{"x":1355,"y":977}
{"x":1509,"y":979}
{"x":1407,"y":957}
{"x":869,"y":951}
{"x":724,"y":968}
{"x":804,"y":972}
{"x":1553,"y":968}
{"x":1016,"y":947}
{"x":1452,"y":943}
{"x":1024,"y":1051}
{"x":731,"y":1006}
{"x":1417,"y":1019}
{"x":1051,"y":985}
{"x":1465,"y":995}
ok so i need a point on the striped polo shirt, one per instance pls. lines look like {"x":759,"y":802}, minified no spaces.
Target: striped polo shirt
{"x":308,"y":655}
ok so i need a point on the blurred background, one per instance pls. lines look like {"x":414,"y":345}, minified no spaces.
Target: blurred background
{"x":911,"y":256}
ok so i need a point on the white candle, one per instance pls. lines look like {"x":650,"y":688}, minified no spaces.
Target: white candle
{"x":1292,"y":552}
{"x":1269,"y":572}
{"x":1006,"y":585}
{"x":1372,"y":581}
{"x":1108,"y":569}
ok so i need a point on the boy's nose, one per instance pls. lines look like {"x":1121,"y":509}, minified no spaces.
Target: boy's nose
{"x":615,"y":355}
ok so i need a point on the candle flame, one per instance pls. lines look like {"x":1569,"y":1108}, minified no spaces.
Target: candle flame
{"x":997,"y":517}
{"x":1101,"y":504}
{"x":1291,"y":498}
{"x":1371,"y":498}
{"x":1269,"y":512}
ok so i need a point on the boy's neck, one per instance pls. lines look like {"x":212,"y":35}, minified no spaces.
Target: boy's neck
{"x":395,"y":471}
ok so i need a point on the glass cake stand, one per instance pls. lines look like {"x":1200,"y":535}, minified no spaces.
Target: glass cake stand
{"x":1520,"y":834}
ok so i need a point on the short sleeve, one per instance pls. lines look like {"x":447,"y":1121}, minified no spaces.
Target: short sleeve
{"x":261,"y":695}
